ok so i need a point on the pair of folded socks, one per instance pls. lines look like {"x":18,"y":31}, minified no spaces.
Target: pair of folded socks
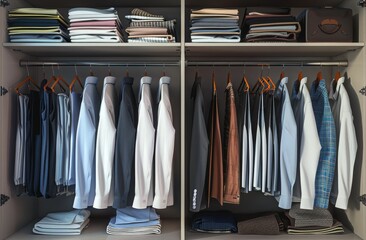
{"x":63,"y":223}
{"x":130,"y":221}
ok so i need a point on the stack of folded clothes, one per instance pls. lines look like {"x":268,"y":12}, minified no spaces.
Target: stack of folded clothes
{"x":95,"y":25}
{"x":317,"y":221}
{"x":270,"y":25}
{"x":146,"y":27}
{"x":271,"y":224}
{"x":215,"y":25}
{"x":37,"y":25}
{"x":214,"y":222}
{"x":63,"y":223}
{"x":130,"y":221}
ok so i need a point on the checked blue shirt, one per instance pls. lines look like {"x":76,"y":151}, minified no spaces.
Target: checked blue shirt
{"x":327,"y":135}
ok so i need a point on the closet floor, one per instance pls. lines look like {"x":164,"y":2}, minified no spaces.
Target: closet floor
{"x":348,"y":235}
{"x":97,"y":231}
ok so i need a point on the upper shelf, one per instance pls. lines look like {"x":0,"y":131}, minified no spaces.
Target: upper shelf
{"x":237,"y":50}
{"x":262,"y":3}
{"x":176,"y":3}
{"x":103,"y":4}
{"x":97,"y":49}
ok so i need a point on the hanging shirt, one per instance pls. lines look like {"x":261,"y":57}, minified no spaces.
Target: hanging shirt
{"x":34,"y":143}
{"x":247,"y":147}
{"x":51,"y":188}
{"x":272,"y":142}
{"x":63,"y":139}
{"x":198,"y":150}
{"x":274,"y":173}
{"x":21,"y":138}
{"x":264,"y":143}
{"x":215,"y":169}
{"x":39,"y":150}
{"x":288,"y":148}
{"x":231,"y":150}
{"x":45,"y":148}
{"x":257,"y":139}
{"x":308,"y":144}
{"x":346,"y":143}
{"x":327,"y":135}
{"x":85,"y":145}
{"x":105,"y":145}
{"x":164,"y":149}
{"x":144,"y":151}
{"x":75,"y":101}
{"x":124,"y":159}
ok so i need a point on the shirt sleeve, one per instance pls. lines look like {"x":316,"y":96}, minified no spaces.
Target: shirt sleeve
{"x":145,"y":137}
{"x":309,"y":158}
{"x":164,"y":153}
{"x":84,"y":158}
{"x":105,"y":155}
{"x":347,"y":149}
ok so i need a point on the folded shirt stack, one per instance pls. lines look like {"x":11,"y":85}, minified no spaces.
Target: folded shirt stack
{"x":63,"y":223}
{"x":37,"y":25}
{"x":270,"y":26}
{"x":95,"y":25}
{"x":147,"y":27}
{"x":215,"y":25}
{"x":130,"y":221}
{"x":214,"y":222}
{"x":316,"y":221}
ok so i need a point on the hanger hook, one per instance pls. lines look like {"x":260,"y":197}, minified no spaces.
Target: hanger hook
{"x":109,"y":69}
{"x":268,"y":69}
{"x":76,"y":70}
{"x":244,"y":68}
{"x":262,"y":71}
{"x":58,"y":69}
{"x":26,"y":65}
{"x":164,"y":70}
{"x":283,"y":67}
{"x":44,"y":71}
{"x":53,"y":70}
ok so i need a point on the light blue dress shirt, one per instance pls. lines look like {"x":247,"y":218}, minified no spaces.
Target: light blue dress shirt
{"x":287,"y":131}
{"x":85,"y":145}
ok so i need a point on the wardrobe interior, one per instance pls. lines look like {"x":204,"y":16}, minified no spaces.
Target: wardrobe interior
{"x":183,"y":60}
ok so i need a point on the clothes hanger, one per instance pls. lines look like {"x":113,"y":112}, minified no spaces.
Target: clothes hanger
{"x":90,"y":71}
{"x":244,"y":85}
{"x":299,"y":77}
{"x":228,"y":76}
{"x":145,"y":71}
{"x":337,"y":76}
{"x":51,"y":80}
{"x":213,"y":81}
{"x":259,"y":83}
{"x":59,"y":81}
{"x":127,"y":74}
{"x":109,"y":70}
{"x":164,"y":70}
{"x":28,"y":79}
{"x":319,"y":75}
{"x":282,"y":75}
{"x":271,"y":84}
{"x":74,"y":80}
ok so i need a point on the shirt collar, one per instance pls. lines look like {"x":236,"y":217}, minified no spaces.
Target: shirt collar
{"x":318,"y":87}
{"x":163,"y":80}
{"x":91,"y":80}
{"x":109,"y":80}
{"x":334,"y":94}
{"x":144,"y":80}
{"x":296,"y":86}
{"x":280,"y":86}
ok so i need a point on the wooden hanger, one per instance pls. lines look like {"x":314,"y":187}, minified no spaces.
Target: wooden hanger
{"x":319,"y":76}
{"x":28,"y":79}
{"x":51,"y":80}
{"x":74,"y":80}
{"x":59,"y":81}
{"x":282,"y":75}
{"x":213,"y":81}
{"x":127,"y":74}
{"x":246,"y":84}
{"x":228,"y":77}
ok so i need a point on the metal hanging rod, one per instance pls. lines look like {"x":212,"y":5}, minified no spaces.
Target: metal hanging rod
{"x":24,"y":63}
{"x":272,"y":63}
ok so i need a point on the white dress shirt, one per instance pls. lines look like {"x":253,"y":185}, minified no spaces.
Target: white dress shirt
{"x":144,"y":151}
{"x":164,"y":149}
{"x":104,"y":191}
{"x":308,"y":145}
{"x":346,"y":143}
{"x":258,"y":150}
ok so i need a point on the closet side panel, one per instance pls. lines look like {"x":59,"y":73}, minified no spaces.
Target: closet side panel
{"x":17,"y":211}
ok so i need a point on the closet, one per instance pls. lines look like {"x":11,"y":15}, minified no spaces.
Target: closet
{"x":180,"y":61}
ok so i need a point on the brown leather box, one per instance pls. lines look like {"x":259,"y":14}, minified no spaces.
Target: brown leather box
{"x":326,"y":25}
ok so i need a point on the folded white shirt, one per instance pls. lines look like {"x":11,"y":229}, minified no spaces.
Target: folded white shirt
{"x":215,"y":39}
{"x":93,"y":19}
{"x":93,"y":31}
{"x":95,"y":11}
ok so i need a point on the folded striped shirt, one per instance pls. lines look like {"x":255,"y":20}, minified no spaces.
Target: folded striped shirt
{"x":215,"y":38}
{"x":140,"y":14}
{"x":170,"y":25}
{"x":150,"y":40}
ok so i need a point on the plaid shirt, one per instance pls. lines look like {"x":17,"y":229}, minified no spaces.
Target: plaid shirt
{"x":327,"y":135}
